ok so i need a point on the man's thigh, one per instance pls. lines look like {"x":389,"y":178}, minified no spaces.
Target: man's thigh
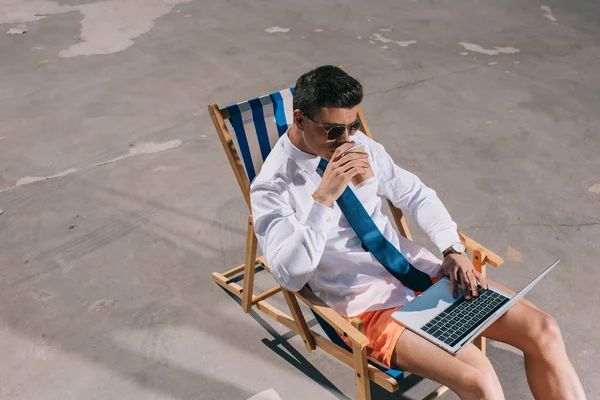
{"x":419,"y":356}
{"x":514,"y":326}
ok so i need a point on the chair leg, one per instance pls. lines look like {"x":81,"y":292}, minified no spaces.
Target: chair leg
{"x":301,"y":325}
{"x":400,"y":221}
{"x":225,"y":280}
{"x":249,"y":268}
{"x":481,"y":343}
{"x":361,"y":366}
{"x":478,"y":257}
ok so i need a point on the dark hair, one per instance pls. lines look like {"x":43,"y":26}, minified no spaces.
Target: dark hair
{"x":326,"y":86}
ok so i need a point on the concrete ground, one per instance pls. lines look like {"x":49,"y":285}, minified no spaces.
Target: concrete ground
{"x":118,"y":201}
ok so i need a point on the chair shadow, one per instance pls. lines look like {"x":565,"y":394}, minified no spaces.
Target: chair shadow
{"x":379,"y":393}
{"x":280,"y":345}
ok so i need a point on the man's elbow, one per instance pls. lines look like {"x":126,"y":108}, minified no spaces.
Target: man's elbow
{"x":293,"y":286}
{"x":290,"y":279}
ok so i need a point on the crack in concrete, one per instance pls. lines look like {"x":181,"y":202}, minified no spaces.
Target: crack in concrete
{"x":414,"y":83}
{"x":346,"y":15}
{"x":404,"y":85}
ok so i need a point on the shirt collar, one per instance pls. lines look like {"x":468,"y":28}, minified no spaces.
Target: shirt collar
{"x":307,"y":162}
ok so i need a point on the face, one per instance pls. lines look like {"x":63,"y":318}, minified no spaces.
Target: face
{"x":315,"y":129}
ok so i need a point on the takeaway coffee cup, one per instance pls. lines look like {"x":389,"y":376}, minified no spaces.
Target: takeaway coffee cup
{"x":361,"y":179}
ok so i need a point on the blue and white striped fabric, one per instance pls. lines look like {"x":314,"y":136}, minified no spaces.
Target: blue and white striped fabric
{"x":257,"y":124}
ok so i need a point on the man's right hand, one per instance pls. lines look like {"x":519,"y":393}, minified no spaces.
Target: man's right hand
{"x":341,"y":169}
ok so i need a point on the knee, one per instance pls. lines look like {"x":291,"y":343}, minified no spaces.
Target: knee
{"x":545,"y":334}
{"x":481,"y":385}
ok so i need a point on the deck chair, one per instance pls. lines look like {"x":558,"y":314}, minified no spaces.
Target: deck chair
{"x":256,"y":125}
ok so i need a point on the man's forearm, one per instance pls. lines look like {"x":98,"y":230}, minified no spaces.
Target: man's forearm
{"x":435,"y":220}
{"x":292,"y":247}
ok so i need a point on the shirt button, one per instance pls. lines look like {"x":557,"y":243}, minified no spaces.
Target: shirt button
{"x":328,"y":219}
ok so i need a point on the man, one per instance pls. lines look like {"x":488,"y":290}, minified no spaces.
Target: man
{"x":307,"y":239}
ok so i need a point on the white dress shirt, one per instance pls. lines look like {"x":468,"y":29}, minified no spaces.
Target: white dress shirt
{"x":306,"y":242}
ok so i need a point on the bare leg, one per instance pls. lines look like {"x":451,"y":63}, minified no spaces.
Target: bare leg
{"x":469,"y":375}
{"x":472,"y":356}
{"x":550,"y":373}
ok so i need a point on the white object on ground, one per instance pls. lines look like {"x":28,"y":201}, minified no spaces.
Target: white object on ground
{"x":16,"y":31}
{"x":595,"y":188}
{"x":31,"y":179}
{"x":548,"y":13}
{"x":383,"y":39}
{"x":490,"y":52}
{"x":277,"y":29}
{"x":106,"y":27}
{"x":270,"y":394}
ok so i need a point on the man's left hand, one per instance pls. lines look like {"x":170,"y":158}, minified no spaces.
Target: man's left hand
{"x":462,"y":272}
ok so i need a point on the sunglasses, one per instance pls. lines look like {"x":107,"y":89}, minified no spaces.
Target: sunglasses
{"x":335,"y":131}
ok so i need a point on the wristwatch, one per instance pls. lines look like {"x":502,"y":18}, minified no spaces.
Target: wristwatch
{"x":455,"y":248}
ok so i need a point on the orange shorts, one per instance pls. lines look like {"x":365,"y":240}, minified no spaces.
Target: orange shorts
{"x":383,"y":333}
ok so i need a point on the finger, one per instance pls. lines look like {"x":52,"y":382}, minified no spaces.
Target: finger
{"x":363,"y":164}
{"x":465,"y":284}
{"x":454,"y":282}
{"x":349,"y":157}
{"x":344,"y":159}
{"x":440,"y":274}
{"x":352,"y":172}
{"x":359,"y":148}
{"x":481,"y":279}
{"x":341,"y":149}
{"x":472,"y":283}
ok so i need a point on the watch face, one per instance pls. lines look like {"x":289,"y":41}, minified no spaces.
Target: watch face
{"x":458,"y":247}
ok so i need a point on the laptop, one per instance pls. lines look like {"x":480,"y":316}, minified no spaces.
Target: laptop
{"x":453,"y":323}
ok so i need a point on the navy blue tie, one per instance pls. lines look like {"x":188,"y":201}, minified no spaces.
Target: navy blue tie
{"x":374,"y":241}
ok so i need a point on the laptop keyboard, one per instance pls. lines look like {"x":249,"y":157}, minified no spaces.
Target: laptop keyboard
{"x":458,"y":320}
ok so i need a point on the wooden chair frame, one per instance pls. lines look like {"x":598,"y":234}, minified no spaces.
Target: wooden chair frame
{"x":357,"y":359}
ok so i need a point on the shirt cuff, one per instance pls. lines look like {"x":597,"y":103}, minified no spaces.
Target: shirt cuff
{"x":444,"y":239}
{"x":317,"y":216}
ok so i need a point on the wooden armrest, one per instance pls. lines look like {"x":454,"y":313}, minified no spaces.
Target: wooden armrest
{"x":490,"y":257}
{"x":332,"y":317}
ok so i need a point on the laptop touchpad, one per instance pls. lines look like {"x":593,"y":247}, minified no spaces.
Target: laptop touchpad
{"x":424,"y":308}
